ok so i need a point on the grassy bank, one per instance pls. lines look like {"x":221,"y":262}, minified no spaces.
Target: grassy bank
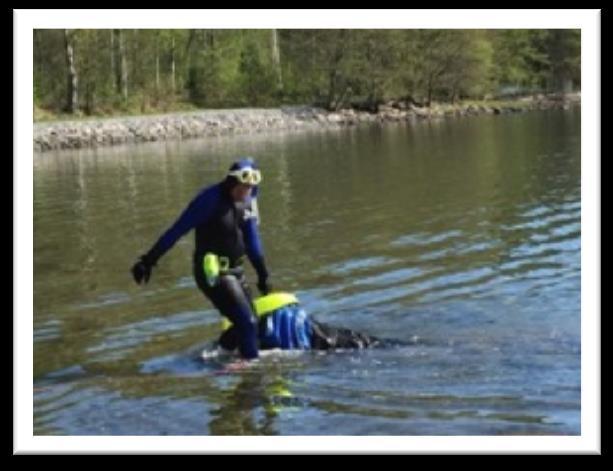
{"x":42,"y":115}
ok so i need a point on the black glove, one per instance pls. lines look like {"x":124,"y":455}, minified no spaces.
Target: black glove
{"x":264,"y":286}
{"x":142,"y":269}
{"x":260,"y":268}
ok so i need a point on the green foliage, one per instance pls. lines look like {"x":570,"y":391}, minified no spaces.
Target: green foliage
{"x":257,"y":81}
{"x":170,"y":69}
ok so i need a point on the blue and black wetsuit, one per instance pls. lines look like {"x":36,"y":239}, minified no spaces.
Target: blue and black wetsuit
{"x":228,"y":229}
{"x":290,"y":328}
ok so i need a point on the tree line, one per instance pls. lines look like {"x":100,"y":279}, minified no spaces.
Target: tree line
{"x":113,"y":70}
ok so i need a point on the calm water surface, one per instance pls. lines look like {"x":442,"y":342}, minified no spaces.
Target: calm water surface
{"x":459,"y":237}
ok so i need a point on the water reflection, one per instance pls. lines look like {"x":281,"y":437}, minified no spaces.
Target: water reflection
{"x":251,"y":406}
{"x":460,"y":232}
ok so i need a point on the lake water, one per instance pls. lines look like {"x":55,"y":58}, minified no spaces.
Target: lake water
{"x":460,"y":237}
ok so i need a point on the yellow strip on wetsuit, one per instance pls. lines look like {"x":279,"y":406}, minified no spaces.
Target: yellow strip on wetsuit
{"x":265,"y":305}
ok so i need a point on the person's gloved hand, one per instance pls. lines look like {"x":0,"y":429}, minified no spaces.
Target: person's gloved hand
{"x":142,"y":270}
{"x":264,"y":286}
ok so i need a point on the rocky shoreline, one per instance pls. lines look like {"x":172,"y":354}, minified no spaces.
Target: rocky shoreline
{"x":207,"y":123}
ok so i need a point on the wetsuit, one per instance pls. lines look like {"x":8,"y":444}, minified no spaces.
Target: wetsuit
{"x":227,"y":229}
{"x":290,"y":328}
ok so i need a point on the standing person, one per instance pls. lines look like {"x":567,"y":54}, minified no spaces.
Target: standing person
{"x":225,"y":218}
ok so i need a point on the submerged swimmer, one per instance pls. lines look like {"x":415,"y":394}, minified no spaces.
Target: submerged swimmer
{"x":283,"y":324}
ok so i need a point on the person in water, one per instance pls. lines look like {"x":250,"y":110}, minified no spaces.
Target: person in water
{"x":283,"y":324}
{"x":225,"y":218}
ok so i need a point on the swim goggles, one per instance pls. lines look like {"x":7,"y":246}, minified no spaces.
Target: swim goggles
{"x":247,"y":176}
